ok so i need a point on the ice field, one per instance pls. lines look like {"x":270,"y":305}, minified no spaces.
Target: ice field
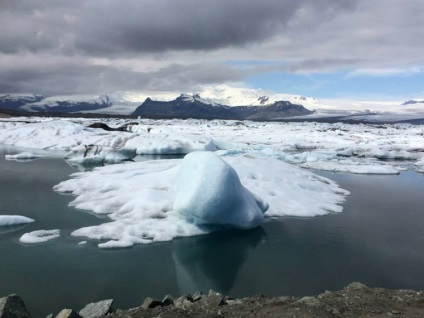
{"x":237,"y":173}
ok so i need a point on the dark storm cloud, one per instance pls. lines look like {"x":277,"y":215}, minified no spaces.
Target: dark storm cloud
{"x":109,"y":27}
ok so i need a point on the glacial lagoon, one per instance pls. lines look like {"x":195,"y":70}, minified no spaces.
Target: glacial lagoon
{"x":378,"y":240}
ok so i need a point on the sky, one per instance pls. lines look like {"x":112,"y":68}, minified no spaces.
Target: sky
{"x":362,"y":49}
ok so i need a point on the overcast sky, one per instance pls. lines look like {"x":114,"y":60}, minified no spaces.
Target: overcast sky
{"x":318,"y":48}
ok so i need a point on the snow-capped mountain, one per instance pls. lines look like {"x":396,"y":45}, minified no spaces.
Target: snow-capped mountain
{"x":241,"y":96}
{"x":56,"y":104}
{"x":14,"y":102}
{"x":59,"y":104}
{"x":195,"y":106}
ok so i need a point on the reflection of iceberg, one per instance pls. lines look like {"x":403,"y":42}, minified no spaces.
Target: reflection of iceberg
{"x":213,"y":261}
{"x":23,"y":157}
{"x":12,"y":228}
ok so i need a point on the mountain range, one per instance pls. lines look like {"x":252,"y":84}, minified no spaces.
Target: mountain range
{"x":184,"y":106}
{"x":194,"y":106}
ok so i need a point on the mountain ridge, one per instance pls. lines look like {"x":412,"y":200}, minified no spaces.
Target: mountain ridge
{"x":194,"y":106}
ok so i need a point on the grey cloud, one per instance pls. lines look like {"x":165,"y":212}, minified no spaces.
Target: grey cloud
{"x":48,"y":47}
{"x":72,"y":76}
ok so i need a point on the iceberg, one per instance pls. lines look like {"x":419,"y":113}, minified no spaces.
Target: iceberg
{"x":208,"y":192}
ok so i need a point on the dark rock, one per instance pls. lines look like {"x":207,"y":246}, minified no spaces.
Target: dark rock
{"x":68,"y":313}
{"x":97,"y":310}
{"x":106,"y":127}
{"x":13,"y":306}
{"x":168,"y":300}
{"x":149,"y":302}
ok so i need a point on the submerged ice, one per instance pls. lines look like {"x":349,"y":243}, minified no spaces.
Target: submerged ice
{"x":160,"y":200}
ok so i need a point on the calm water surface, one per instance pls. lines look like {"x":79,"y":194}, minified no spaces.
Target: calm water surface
{"x":378,"y":240}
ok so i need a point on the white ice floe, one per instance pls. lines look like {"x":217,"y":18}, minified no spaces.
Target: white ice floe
{"x":99,"y":154}
{"x":40,"y":236}
{"x":23,"y":156}
{"x":351,"y":167}
{"x":8,"y":220}
{"x":65,"y":135}
{"x":420,"y":165}
{"x":140,"y":197}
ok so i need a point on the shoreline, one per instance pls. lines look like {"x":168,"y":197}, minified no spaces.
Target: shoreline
{"x":355,"y":300}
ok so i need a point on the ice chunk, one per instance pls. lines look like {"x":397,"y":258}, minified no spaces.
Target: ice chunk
{"x":8,"y":220}
{"x":208,"y":192}
{"x":39,"y":236}
{"x":99,"y":154}
{"x":23,"y":156}
{"x":420,"y":165}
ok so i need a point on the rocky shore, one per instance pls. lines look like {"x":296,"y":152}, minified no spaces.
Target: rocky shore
{"x":355,"y":300}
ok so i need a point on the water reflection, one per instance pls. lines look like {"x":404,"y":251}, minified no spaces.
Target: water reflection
{"x":12,"y":228}
{"x":213,"y":261}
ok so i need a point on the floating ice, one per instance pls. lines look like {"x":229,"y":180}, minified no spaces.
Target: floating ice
{"x":351,"y":167}
{"x":140,"y":197}
{"x":420,"y":165}
{"x":23,"y":156}
{"x":65,"y":135}
{"x":8,"y":220}
{"x":40,"y":236}
{"x":99,"y":154}
{"x":296,"y":143}
{"x":208,"y":192}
